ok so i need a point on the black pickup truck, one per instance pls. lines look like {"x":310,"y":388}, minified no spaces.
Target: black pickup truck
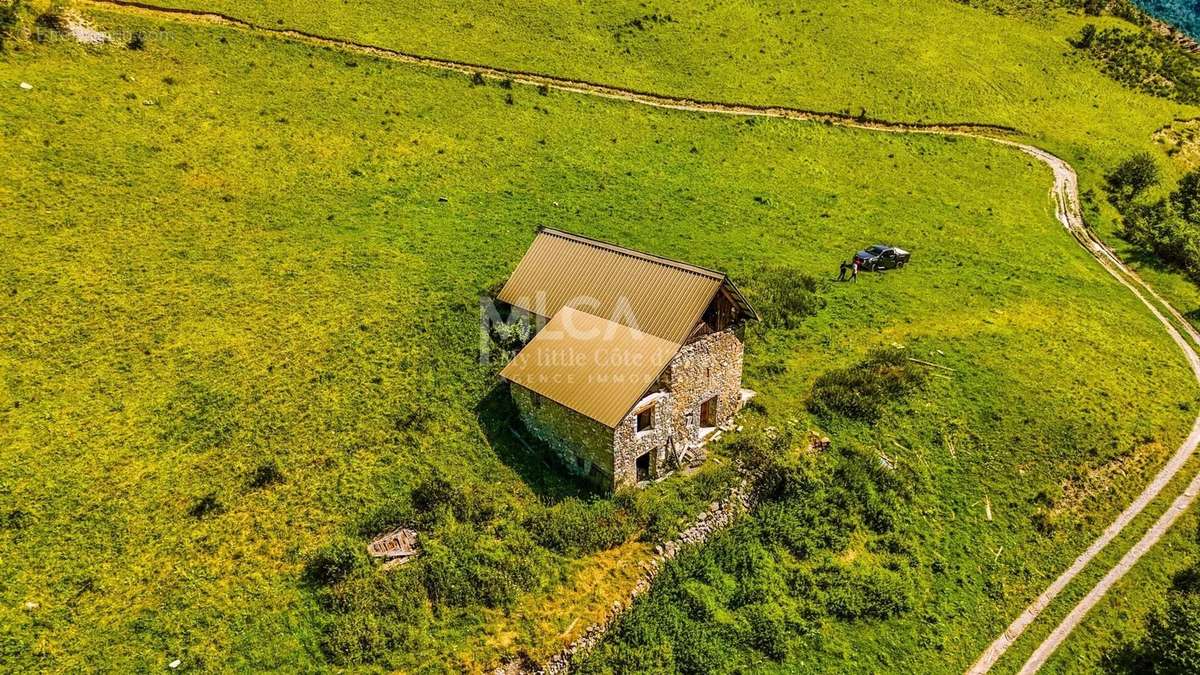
{"x":881,"y":257}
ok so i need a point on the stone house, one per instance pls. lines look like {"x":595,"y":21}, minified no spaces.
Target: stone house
{"x":637,"y":364}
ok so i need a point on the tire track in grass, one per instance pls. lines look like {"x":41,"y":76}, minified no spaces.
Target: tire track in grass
{"x":1065,"y":193}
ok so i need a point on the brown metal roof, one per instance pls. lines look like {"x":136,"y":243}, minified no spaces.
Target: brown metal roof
{"x":653,"y":295}
{"x":591,"y":365}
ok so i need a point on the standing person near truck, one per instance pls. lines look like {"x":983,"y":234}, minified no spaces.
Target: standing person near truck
{"x":842,"y":268}
{"x":854,"y":271}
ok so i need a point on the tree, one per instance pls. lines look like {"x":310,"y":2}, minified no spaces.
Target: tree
{"x":1132,"y":177}
{"x":1186,"y":197}
{"x":1087,"y":36}
{"x":1172,"y":643}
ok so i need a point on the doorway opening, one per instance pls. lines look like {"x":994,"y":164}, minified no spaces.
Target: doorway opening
{"x":643,"y":467}
{"x":708,"y":413}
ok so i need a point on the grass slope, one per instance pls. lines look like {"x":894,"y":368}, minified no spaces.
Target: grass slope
{"x":914,"y":60}
{"x":227,"y":248}
{"x":930,"y":60}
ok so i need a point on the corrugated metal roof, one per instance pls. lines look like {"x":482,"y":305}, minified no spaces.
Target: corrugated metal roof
{"x":589,"y":364}
{"x":653,"y":295}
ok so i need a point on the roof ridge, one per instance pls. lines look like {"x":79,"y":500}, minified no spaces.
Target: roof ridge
{"x":633,"y":253}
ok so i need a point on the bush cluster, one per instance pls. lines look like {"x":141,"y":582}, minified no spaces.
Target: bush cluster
{"x":461,"y":567}
{"x":861,"y":392}
{"x":785,"y":296}
{"x":574,"y":527}
{"x":369,"y":617}
{"x":861,"y":591}
{"x":1169,"y":227}
{"x":757,"y":589}
{"x":1143,"y":60}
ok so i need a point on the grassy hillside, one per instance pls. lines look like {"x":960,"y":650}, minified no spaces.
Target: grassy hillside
{"x":226,"y":249}
{"x":918,"y":60}
{"x":931,"y":60}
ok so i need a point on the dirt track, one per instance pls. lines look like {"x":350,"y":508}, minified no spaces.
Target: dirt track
{"x":1065,"y":193}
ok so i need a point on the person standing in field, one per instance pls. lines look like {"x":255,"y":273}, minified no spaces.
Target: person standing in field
{"x":842,"y":270}
{"x":854,"y":271}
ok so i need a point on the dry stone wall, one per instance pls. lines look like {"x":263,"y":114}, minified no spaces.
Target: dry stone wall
{"x":718,"y":516}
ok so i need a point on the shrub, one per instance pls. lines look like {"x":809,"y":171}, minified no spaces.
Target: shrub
{"x":760,"y":450}
{"x":785,"y":296}
{"x":573,"y":527}
{"x":477,"y":80}
{"x":334,"y":562}
{"x":780,"y":524}
{"x":54,"y":17}
{"x":768,"y":629}
{"x":860,"y":591}
{"x":436,"y":497}
{"x":1186,"y":197}
{"x":866,"y":487}
{"x":266,"y":474}
{"x":137,"y":41}
{"x":371,"y":616}
{"x":1087,"y":36}
{"x":862,"y":391}
{"x":513,"y":335}
{"x":461,"y":567}
{"x":1132,"y":177}
{"x":1045,"y":521}
{"x":697,"y":653}
{"x":207,"y":505}
{"x":16,"y":520}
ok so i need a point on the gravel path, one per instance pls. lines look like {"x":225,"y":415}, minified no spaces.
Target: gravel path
{"x":1066,"y":197}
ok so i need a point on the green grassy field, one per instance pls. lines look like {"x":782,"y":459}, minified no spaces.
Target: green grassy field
{"x":927,"y":60}
{"x":918,"y":60}
{"x":226,"y":249}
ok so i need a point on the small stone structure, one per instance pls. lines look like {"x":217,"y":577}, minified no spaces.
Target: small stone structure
{"x":638,"y":364}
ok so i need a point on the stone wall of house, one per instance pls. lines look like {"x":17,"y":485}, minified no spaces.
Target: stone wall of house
{"x":708,"y":367}
{"x":629,"y":443}
{"x":583,"y":445}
